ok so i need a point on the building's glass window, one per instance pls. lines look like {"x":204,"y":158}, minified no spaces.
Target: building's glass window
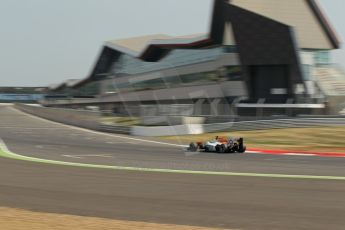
{"x":193,"y":79}
{"x":20,"y":97}
{"x":322,"y":57}
{"x":90,"y":89}
{"x":131,"y":74}
{"x":232,"y":73}
{"x":152,"y":84}
{"x":307,"y":72}
{"x":127,"y":65}
{"x":230,"y":49}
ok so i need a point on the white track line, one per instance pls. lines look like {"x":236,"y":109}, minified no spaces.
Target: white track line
{"x":88,"y":155}
{"x":71,"y":156}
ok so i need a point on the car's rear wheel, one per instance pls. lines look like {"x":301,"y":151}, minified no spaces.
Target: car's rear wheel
{"x":222,"y":148}
{"x":242,"y":150}
{"x":217,"y":148}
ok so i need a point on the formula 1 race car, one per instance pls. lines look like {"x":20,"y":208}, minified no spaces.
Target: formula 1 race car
{"x":219,"y":145}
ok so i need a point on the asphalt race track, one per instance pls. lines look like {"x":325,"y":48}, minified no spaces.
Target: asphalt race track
{"x":237,"y":202}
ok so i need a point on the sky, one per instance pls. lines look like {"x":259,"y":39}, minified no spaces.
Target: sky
{"x":44,"y":42}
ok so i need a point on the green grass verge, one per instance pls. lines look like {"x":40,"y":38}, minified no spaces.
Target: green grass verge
{"x":125,"y":121}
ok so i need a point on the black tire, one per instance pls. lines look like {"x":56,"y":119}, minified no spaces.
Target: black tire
{"x":242,"y":150}
{"x":231,"y":150}
{"x":222,"y":148}
{"x":192,"y":147}
{"x":207,"y":149}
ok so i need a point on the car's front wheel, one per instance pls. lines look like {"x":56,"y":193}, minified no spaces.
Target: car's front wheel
{"x":192,"y":147}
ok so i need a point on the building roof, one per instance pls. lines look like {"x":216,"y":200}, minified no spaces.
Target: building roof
{"x":67,"y":83}
{"x":311,"y":25}
{"x":148,"y":48}
{"x":313,"y":31}
{"x":135,"y":45}
{"x":142,"y":47}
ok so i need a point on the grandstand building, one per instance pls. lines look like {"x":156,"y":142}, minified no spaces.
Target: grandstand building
{"x":262,"y":57}
{"x":22,"y":94}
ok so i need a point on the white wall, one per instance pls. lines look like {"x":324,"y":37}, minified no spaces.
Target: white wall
{"x":168,"y":130}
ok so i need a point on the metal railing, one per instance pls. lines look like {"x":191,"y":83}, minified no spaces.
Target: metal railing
{"x":274,"y":124}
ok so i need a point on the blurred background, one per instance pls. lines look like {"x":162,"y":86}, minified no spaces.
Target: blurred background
{"x":223,"y":66}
